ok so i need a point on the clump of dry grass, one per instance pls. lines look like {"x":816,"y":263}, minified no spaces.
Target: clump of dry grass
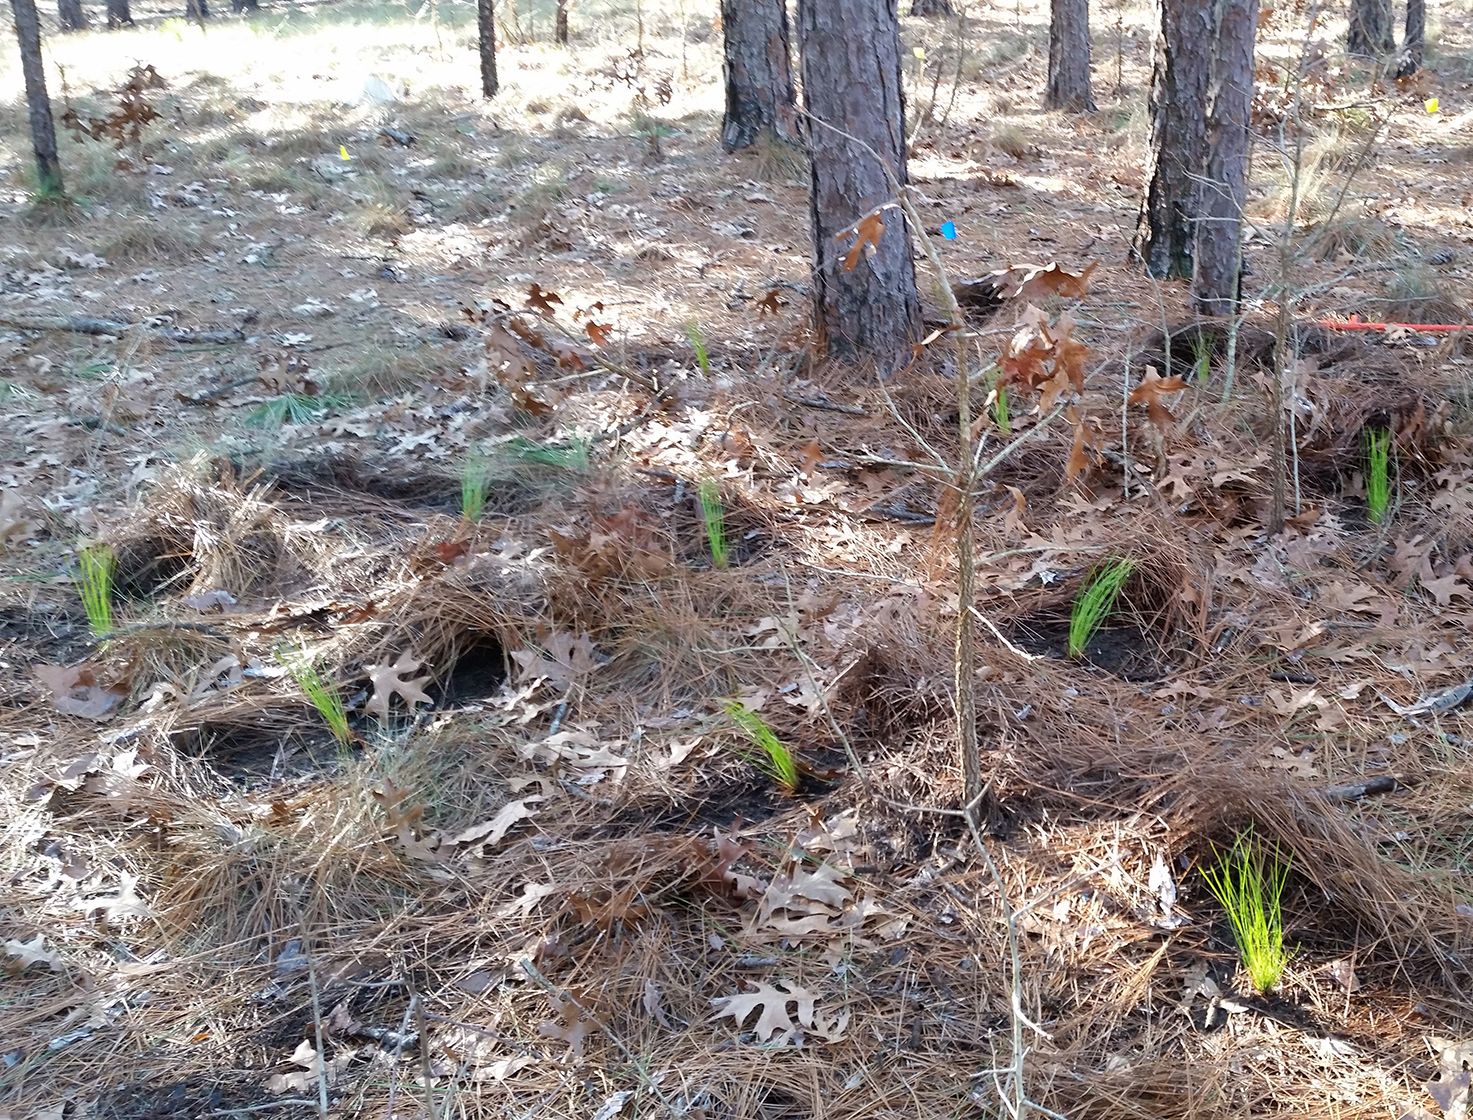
{"x":152,"y":239}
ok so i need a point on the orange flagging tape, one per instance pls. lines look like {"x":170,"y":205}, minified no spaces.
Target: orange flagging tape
{"x":1354,"y":324}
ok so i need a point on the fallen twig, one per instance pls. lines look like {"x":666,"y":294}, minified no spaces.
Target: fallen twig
{"x":82,"y":324}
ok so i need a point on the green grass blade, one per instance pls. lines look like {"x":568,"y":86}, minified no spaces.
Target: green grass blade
{"x":1250,"y":885}
{"x":714,"y":515}
{"x":1378,"y":474}
{"x":320,"y":691}
{"x":473,"y":478}
{"x":776,"y":761}
{"x":1094,"y":603}
{"x":698,"y":344}
{"x":95,"y":565}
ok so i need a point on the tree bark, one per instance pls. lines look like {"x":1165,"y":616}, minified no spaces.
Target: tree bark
{"x":850,"y":52}
{"x":71,"y":15}
{"x":758,"y":64}
{"x":1415,"y":40}
{"x":43,"y":129}
{"x":119,"y":14}
{"x":1068,"y":57}
{"x":1179,"y":82}
{"x":928,"y":8}
{"x":1224,"y":180}
{"x":1371,"y":33}
{"x":560,"y":23}
{"x":486,"y":30}
{"x":197,"y":9}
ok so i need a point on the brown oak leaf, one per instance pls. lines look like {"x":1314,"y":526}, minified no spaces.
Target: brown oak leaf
{"x":867,"y":232}
{"x":388,"y":680}
{"x":1149,"y":392}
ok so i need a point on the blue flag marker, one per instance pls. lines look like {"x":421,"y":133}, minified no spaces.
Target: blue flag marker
{"x":948,"y":230}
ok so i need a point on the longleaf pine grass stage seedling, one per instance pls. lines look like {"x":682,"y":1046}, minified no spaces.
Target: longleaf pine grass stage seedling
{"x":776,"y":761}
{"x":1249,"y":883}
{"x":714,"y":516}
{"x":698,"y":344}
{"x":1378,"y":475}
{"x":322,"y":692}
{"x":95,"y":564}
{"x":1094,"y":603}
{"x":473,"y":486}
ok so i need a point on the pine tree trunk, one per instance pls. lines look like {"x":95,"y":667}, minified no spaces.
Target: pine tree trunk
{"x":1224,"y":183}
{"x":1371,"y":32}
{"x":560,"y":23}
{"x":119,"y":14}
{"x":759,"y":73}
{"x":928,"y":8}
{"x":1178,"y":137}
{"x":486,"y":28}
{"x":244,"y":6}
{"x":197,"y":9}
{"x":1416,"y":37}
{"x":43,"y":129}
{"x":71,"y":15}
{"x":850,"y":52}
{"x":1068,"y":57}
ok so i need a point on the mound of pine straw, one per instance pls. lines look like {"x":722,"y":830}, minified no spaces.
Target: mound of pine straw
{"x":564,"y":888}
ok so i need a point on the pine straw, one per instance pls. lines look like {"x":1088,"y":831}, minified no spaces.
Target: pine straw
{"x":1096,"y":776}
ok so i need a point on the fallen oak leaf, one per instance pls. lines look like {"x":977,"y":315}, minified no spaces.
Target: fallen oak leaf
{"x":1149,"y":392}
{"x":598,"y":333}
{"x":541,"y":299}
{"x":493,"y":831}
{"x":387,"y":682}
{"x":773,"y":1005}
{"x":571,"y":1025}
{"x":75,"y":691}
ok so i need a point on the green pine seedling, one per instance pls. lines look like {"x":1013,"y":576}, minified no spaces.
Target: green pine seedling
{"x":1378,"y":475}
{"x":1201,"y":356}
{"x":323,"y":694}
{"x":693,"y":332}
{"x":715,"y":518}
{"x":1093,"y":604}
{"x":776,"y":761}
{"x":95,"y":565}
{"x":473,"y":486}
{"x":573,"y":457}
{"x":1250,"y":884}
{"x":1000,"y":411}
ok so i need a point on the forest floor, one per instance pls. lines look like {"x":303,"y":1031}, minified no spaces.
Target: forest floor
{"x":544,"y":876}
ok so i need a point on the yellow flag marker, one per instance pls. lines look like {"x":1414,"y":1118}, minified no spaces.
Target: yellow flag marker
{"x":343,"y":151}
{"x":919,"y":52}
{"x":1430,"y":104}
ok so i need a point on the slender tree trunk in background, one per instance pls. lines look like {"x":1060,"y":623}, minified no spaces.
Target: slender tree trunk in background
{"x":486,"y":29}
{"x":43,"y":129}
{"x":560,"y":23}
{"x":928,"y":8}
{"x":758,"y":64}
{"x":119,"y":14}
{"x":1416,"y":37}
{"x":1068,"y":57}
{"x":1224,"y":182}
{"x":72,"y":17}
{"x":850,"y":52}
{"x":197,"y":9}
{"x":1183,"y":65}
{"x":244,"y":6}
{"x":1371,"y":31}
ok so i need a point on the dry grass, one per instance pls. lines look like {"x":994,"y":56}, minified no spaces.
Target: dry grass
{"x":211,"y":856}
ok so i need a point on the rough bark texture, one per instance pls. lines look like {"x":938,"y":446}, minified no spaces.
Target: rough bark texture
{"x":43,"y":129}
{"x":1372,"y":33}
{"x":560,"y":23}
{"x":486,"y":33}
{"x":931,"y":8}
{"x":1179,"y":84}
{"x":119,"y":14}
{"x":1414,"y":42}
{"x":759,"y":73}
{"x":1224,"y":183}
{"x":1068,"y":57}
{"x":71,"y":15}
{"x":851,"y":79}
